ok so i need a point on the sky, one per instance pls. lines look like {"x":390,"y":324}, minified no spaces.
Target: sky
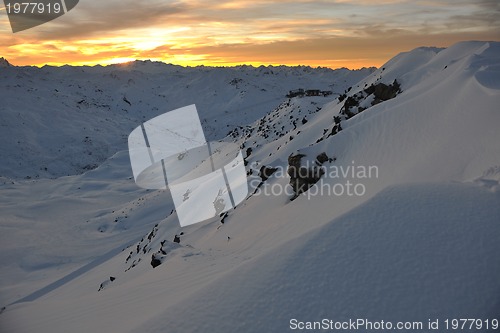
{"x":327,"y":33}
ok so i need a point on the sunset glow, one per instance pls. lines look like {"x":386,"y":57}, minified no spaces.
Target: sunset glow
{"x":334,"y":34}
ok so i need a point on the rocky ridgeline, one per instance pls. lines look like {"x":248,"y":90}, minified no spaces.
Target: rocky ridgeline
{"x":359,"y":102}
{"x":372,"y":95}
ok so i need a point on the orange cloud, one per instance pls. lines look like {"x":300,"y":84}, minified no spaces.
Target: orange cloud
{"x":340,"y":33}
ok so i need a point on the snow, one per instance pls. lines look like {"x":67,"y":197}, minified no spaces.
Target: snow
{"x":388,"y":259}
{"x":88,"y":112}
{"x":420,"y":243}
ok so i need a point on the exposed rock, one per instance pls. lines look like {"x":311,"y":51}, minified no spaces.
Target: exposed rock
{"x":223,"y":217}
{"x":266,"y":172}
{"x":322,"y":158}
{"x":302,"y":178}
{"x":335,"y":129}
{"x":294,"y":162}
{"x":349,"y":103}
{"x":380,"y":91}
{"x":155,"y":261}
{"x":104,"y":284}
{"x":126,"y":100}
{"x":383,"y":92}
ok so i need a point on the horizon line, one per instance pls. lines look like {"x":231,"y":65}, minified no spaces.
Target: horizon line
{"x":210,"y":65}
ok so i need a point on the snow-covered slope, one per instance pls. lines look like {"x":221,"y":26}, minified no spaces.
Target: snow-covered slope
{"x":73,"y":123}
{"x":420,"y":242}
{"x":63,"y":121}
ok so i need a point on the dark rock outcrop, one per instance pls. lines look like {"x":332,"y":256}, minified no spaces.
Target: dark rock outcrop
{"x":380,"y":91}
{"x":383,"y":92}
{"x":322,"y":158}
{"x":155,"y":262}
{"x":266,"y":172}
{"x":302,"y":178}
{"x":177,"y":239}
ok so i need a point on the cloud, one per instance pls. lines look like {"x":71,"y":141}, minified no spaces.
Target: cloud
{"x":327,"y":33}
{"x":103,"y":18}
{"x":352,"y":52}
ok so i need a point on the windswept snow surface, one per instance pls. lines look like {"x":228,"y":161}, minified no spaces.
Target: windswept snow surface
{"x":421,"y":243}
{"x":72,"y":124}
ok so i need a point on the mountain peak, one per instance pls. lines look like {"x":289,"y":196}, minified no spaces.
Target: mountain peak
{"x":4,"y":62}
